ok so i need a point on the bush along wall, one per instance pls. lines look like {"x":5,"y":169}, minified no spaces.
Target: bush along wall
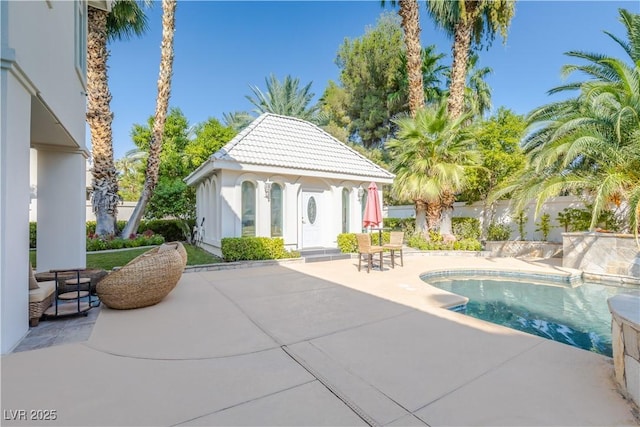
{"x":255,"y":248}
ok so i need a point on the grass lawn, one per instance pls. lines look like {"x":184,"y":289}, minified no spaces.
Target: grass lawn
{"x":108,"y":260}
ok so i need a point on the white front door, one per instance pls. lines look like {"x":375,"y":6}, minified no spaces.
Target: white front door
{"x":311,"y":219}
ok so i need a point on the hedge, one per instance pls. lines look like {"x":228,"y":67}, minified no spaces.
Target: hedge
{"x":170,"y":229}
{"x":462,"y":227}
{"x":145,"y":239}
{"x":254,"y":248}
{"x":348,"y":244}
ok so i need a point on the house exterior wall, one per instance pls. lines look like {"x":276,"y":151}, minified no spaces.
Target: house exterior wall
{"x":42,"y":106}
{"x":14,"y":209}
{"x":42,"y":34}
{"x":223,"y":204}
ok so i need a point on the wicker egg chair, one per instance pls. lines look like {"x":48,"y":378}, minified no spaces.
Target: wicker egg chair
{"x":145,"y":280}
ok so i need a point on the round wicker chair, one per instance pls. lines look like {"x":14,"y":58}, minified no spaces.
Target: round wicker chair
{"x":145,"y":280}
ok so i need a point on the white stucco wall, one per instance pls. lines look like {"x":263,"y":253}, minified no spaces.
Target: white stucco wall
{"x":42,"y":105}
{"x":42,"y":35}
{"x":15,"y":107}
{"x":220,"y":204}
{"x":503,"y":214}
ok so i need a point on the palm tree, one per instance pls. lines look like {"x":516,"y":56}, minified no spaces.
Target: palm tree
{"x":477,"y":91}
{"x":589,"y":143}
{"x":432,"y":73}
{"x":468,"y":22}
{"x":237,"y":120}
{"x":413,"y":61}
{"x":162,"y":105}
{"x":432,"y":153}
{"x":285,"y":98}
{"x":125,"y":19}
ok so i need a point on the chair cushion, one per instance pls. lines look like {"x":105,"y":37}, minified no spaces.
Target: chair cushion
{"x":33,"y":283}
{"x":44,"y":290}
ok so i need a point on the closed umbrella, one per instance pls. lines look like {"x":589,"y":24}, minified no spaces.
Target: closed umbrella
{"x":372,"y":210}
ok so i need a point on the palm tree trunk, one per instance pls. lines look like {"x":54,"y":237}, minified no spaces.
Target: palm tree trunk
{"x":99,"y":117}
{"x":461,"y":49}
{"x":421,"y":219}
{"x":411,"y":26}
{"x":446,"y":205}
{"x":434,"y":211}
{"x":162,"y":105}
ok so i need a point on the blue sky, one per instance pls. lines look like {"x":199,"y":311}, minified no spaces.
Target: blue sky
{"x":223,"y":47}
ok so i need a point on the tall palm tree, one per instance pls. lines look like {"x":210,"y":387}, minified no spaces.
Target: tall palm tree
{"x":432,"y":153}
{"x":162,"y":105}
{"x":432,"y":73}
{"x":237,"y":120}
{"x":125,"y":19}
{"x":477,"y":91}
{"x":468,"y":22}
{"x":285,"y":98}
{"x":590,"y":143}
{"x":410,"y":15}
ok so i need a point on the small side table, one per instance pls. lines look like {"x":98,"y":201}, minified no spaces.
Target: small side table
{"x":64,"y":302}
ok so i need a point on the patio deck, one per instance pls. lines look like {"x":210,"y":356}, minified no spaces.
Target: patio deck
{"x":313,"y":344}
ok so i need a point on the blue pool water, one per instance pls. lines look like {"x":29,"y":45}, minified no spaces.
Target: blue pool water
{"x":576,"y":314}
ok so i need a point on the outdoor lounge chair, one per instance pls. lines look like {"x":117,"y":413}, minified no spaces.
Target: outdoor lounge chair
{"x":145,"y":280}
{"x":41,"y":296}
{"x":366,"y":249}
{"x":395,"y":244}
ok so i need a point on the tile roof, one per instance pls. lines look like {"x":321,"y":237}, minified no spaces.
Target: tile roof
{"x":274,"y":140}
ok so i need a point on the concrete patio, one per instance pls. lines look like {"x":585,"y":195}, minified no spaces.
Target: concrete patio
{"x":312,"y":344}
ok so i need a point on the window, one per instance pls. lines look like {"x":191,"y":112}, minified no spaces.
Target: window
{"x":276,"y":210}
{"x":345,"y":210}
{"x":248,"y":209}
{"x":80,"y":34}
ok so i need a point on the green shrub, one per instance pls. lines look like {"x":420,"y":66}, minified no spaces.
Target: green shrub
{"x":408,"y":225}
{"x":498,"y":232}
{"x":573,"y":219}
{"x":437,"y":244}
{"x":254,"y":248}
{"x":32,"y":235}
{"x":101,"y":244}
{"x":466,"y":228}
{"x":348,"y":243}
{"x":544,"y":226}
{"x":171,"y":229}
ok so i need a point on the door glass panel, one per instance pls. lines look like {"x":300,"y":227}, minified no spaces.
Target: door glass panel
{"x":311,"y":210}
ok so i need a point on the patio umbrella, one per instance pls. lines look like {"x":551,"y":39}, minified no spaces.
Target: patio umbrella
{"x":372,"y":210}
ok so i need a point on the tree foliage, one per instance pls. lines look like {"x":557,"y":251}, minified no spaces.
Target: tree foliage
{"x":470,"y":23}
{"x":184,"y":149}
{"x":498,"y":140}
{"x":286,"y":98}
{"x":368,"y":73}
{"x":431,"y":156}
{"x":590,"y":143}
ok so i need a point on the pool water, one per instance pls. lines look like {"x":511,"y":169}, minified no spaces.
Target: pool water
{"x":576,"y":314}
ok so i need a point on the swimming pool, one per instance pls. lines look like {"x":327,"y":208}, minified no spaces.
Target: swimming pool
{"x":572,"y":313}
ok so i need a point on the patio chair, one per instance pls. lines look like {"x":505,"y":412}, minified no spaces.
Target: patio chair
{"x":395,"y":244}
{"x":145,"y":280}
{"x":41,"y":296}
{"x":366,"y":249}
